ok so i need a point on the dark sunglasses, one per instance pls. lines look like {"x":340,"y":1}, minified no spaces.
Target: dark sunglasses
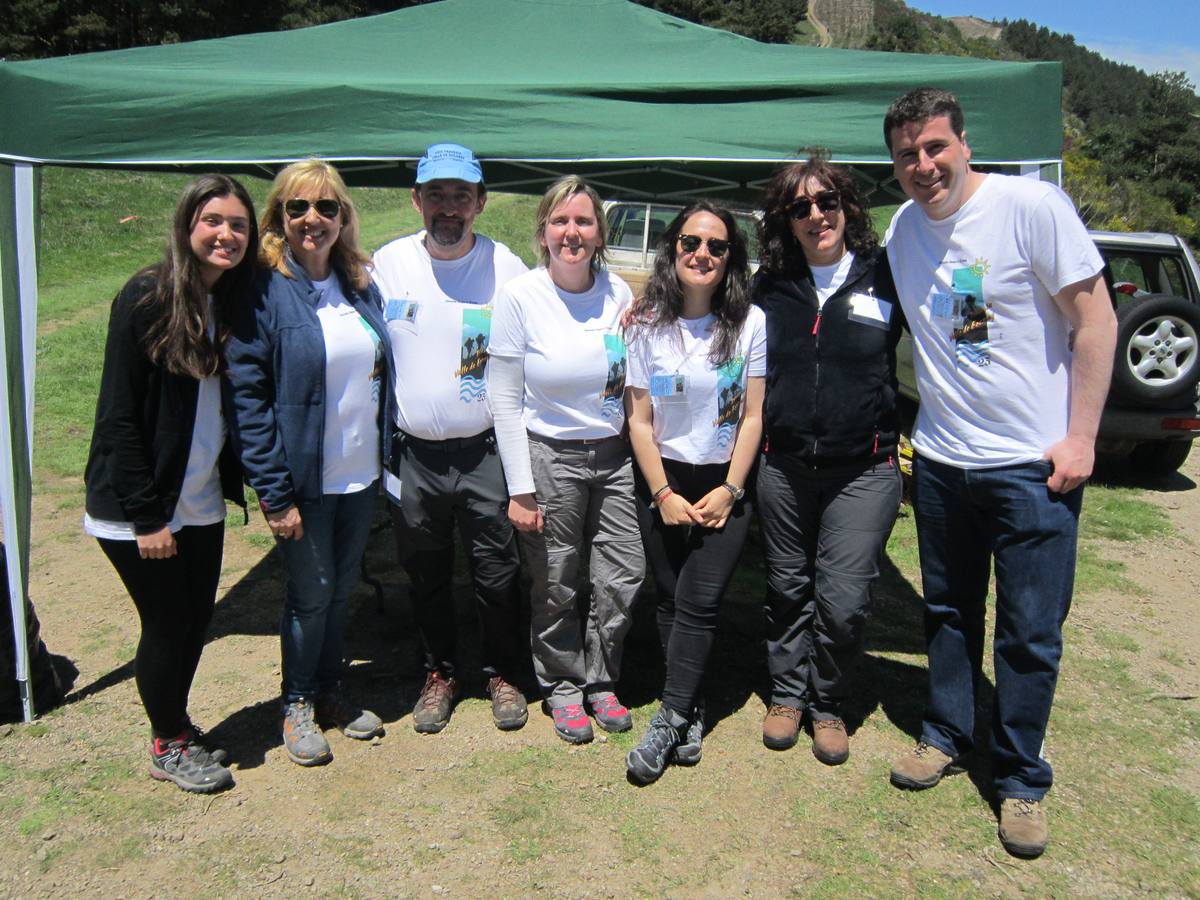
{"x":717,"y":247}
{"x":827,"y":201}
{"x":326,"y":209}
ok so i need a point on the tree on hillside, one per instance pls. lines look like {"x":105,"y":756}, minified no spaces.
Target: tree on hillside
{"x":771,"y":21}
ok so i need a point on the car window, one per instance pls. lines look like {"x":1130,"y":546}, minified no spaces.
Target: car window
{"x":1171,"y":280}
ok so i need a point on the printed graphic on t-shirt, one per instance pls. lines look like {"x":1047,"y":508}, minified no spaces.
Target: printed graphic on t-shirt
{"x":968,"y":313}
{"x":476,"y":329}
{"x":377,"y":369}
{"x":729,"y":399}
{"x":614,"y":387}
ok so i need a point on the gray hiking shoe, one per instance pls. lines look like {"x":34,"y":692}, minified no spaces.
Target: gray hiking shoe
{"x":687,"y":752}
{"x":647,"y":761}
{"x":196,"y":737}
{"x":302,"y":739}
{"x":187,"y":765}
{"x":333,"y":710}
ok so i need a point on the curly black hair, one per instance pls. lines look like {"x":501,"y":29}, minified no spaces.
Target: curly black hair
{"x":781,"y":253}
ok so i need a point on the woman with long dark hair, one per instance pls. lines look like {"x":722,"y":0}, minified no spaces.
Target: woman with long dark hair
{"x":309,"y":383}
{"x":828,"y":483}
{"x":697,"y":357}
{"x":160,"y":470}
{"x":556,"y":376}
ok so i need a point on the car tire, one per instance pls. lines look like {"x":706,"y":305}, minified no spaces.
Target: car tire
{"x":1158,"y":349}
{"x":1159,"y":457}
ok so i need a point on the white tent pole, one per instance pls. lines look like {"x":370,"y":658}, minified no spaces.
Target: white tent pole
{"x":15,"y":447}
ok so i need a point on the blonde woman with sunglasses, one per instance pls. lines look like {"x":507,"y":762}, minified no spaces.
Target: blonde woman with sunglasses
{"x":697,"y":357}
{"x":308,"y":379}
{"x":828,"y":483}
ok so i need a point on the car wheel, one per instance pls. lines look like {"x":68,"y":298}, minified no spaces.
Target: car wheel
{"x":1159,"y":457}
{"x":1158,"y":339}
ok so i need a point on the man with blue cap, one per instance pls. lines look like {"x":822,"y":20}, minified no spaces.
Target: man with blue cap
{"x":438,"y":287}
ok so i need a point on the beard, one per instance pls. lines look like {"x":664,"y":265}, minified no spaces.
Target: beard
{"x":447,"y":232}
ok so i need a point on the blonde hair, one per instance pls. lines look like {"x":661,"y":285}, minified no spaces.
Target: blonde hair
{"x":556,"y":195}
{"x":317,"y":176}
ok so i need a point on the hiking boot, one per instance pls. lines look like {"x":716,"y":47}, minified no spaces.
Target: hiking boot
{"x":509,"y":709}
{"x":687,"y":751}
{"x":188,"y":765}
{"x":302,"y":739}
{"x":922,"y":767}
{"x":609,"y":712}
{"x":830,"y":744}
{"x":781,"y":727}
{"x":571,"y":723}
{"x":195,"y":735}
{"x":432,"y":712}
{"x":333,"y":710}
{"x":1022,"y":827}
{"x":648,"y":760}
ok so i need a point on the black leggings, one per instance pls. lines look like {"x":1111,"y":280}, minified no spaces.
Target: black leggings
{"x":692,"y":566}
{"x":174,"y":598}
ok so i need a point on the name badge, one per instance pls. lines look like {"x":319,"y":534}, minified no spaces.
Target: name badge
{"x":391,"y":485}
{"x":669,"y":388}
{"x":870,"y":310}
{"x":403,"y":314}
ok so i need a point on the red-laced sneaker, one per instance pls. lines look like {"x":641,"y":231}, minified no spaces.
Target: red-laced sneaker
{"x":610,"y":713}
{"x":432,"y":712}
{"x":571,"y":724}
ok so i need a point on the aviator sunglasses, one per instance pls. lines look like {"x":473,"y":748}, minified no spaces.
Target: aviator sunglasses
{"x":826,"y":201}
{"x":326,"y":209}
{"x":717,"y":247}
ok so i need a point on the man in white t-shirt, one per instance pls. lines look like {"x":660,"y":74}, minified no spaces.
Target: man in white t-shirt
{"x":1013,"y":338}
{"x":438,"y":287}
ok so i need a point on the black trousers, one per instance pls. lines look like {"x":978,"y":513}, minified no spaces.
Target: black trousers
{"x":692,"y":566}
{"x":174,"y":598}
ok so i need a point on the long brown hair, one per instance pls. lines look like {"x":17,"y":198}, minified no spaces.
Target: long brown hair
{"x":317,"y":175}
{"x":177,"y":338}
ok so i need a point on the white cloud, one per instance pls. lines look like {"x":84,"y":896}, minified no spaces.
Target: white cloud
{"x":1151,"y":59}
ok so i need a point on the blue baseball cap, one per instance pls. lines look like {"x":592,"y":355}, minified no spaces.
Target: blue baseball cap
{"x":449,"y":161}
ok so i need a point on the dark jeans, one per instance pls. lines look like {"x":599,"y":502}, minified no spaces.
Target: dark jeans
{"x":692,"y":566}
{"x":965,"y":519}
{"x":459,"y":485}
{"x":322,"y":570}
{"x":174,"y":599}
{"x":823,"y":533}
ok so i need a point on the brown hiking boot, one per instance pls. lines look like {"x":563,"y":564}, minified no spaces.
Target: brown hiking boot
{"x":1022,"y":827}
{"x":922,"y":767}
{"x":432,"y":712}
{"x":830,"y":742}
{"x":509,"y":710}
{"x":781,"y":727}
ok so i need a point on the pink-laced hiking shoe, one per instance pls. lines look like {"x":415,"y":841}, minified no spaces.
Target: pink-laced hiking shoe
{"x":610,"y":713}
{"x":571,"y":724}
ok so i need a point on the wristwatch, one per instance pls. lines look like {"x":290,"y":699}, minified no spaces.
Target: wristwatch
{"x":738,"y":493}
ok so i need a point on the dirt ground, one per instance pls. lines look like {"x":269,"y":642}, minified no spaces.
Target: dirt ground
{"x":425,"y":815}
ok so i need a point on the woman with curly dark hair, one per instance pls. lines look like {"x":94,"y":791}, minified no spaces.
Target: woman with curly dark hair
{"x":828,"y":484}
{"x":697,"y":356}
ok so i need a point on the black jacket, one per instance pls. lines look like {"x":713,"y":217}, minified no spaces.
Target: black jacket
{"x":144,"y":421}
{"x":831,"y":380}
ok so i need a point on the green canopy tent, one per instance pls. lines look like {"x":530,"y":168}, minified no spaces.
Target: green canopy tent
{"x":644,"y":104}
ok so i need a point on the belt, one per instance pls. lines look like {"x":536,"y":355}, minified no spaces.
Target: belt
{"x":567,"y":443}
{"x":449,"y":445}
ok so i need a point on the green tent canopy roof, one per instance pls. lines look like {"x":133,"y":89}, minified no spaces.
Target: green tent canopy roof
{"x":536,"y":87}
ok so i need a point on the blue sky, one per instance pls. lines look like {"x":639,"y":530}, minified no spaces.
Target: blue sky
{"x":1153,"y":35}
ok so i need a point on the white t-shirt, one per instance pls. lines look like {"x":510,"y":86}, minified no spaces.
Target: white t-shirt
{"x":573,"y":351}
{"x":201,"y":501}
{"x":990,"y":345}
{"x":439,"y":318}
{"x":353,"y":369}
{"x":827,"y":279}
{"x":697,"y":408}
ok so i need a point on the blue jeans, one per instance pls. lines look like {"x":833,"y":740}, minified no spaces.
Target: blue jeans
{"x":965,"y":519}
{"x":322,"y":571}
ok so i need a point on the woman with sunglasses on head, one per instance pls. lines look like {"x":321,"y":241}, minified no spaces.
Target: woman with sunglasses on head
{"x":556,"y":376}
{"x":307,"y":363}
{"x":697,"y":357}
{"x":159,"y":470}
{"x":828,"y":483}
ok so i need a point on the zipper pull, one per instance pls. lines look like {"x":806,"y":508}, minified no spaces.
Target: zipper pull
{"x":817,"y":324}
